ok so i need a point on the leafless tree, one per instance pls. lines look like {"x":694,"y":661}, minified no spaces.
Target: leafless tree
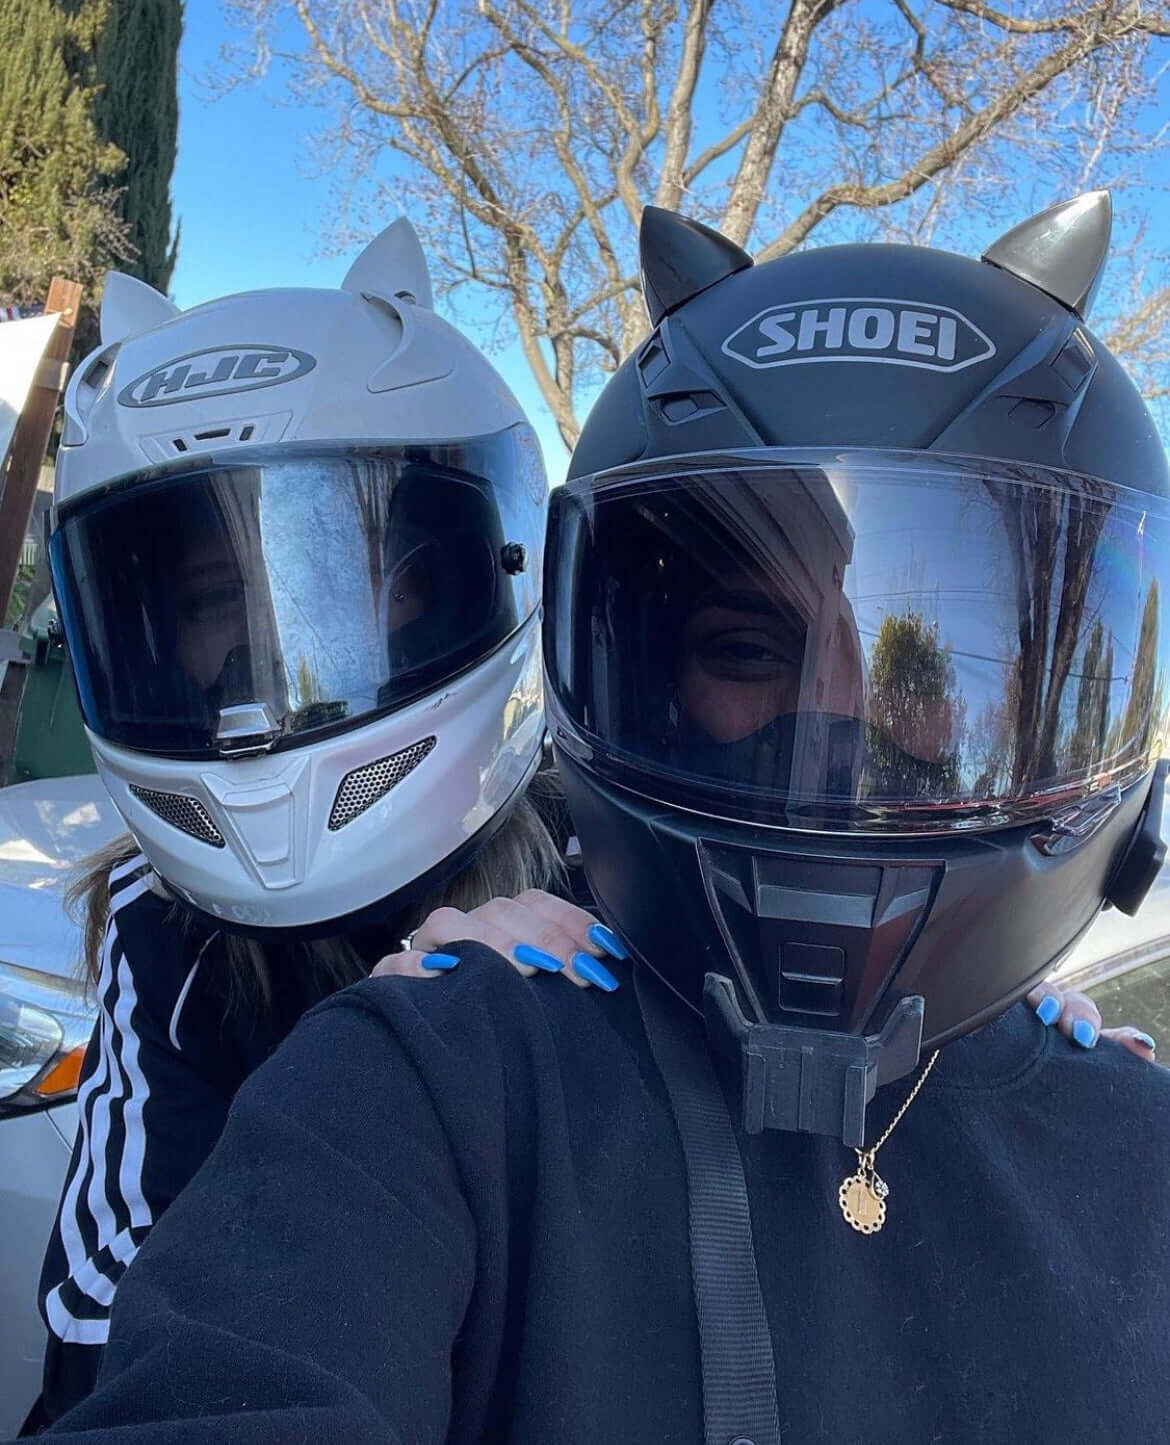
{"x":525,"y":136}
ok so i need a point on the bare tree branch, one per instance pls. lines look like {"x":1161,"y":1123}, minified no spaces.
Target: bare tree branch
{"x":639,"y":136}
{"x":680,"y":109}
{"x":1148,"y":22}
{"x":773,"y":110}
{"x":562,"y":139}
{"x":1141,"y":328}
{"x":527,"y":135}
{"x":1099,"y":29}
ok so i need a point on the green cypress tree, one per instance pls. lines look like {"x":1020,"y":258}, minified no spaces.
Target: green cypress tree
{"x":58,"y":205}
{"x":137,"y":110}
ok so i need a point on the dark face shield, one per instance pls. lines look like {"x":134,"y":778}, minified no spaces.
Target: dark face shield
{"x":875,"y":642}
{"x":289,"y":592}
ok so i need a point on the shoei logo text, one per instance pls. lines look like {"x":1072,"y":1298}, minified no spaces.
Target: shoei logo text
{"x":857,"y":328}
{"x":221,"y":372}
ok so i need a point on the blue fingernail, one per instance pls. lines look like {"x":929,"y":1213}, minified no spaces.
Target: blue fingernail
{"x":1150,"y":1043}
{"x":1084,"y":1033}
{"x":537,"y":958}
{"x":440,"y":960}
{"x":606,"y":938}
{"x":1048,"y":1009}
{"x":592,"y":971}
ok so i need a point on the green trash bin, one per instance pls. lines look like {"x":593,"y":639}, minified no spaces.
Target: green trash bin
{"x":50,"y":739}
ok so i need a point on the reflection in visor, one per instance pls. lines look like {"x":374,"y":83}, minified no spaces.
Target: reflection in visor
{"x":324,"y":589}
{"x":840,"y":639}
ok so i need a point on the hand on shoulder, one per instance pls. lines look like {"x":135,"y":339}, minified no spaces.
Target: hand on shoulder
{"x":536,"y":932}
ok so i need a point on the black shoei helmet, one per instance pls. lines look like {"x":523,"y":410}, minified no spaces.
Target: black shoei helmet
{"x":856,"y":643}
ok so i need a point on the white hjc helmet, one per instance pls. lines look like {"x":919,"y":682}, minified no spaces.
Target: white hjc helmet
{"x":297,"y":555}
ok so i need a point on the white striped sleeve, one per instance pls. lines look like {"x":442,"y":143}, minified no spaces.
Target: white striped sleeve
{"x":104,"y":1215}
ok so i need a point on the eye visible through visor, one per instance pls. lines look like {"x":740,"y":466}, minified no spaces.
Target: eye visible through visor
{"x":875,"y":641}
{"x":259,"y":602}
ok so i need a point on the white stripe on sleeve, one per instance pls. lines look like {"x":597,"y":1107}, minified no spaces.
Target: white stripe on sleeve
{"x":94,"y":1100}
{"x":125,"y":1078}
{"x":173,"y":1031}
{"x":69,"y":1329}
{"x":134,"y":1135}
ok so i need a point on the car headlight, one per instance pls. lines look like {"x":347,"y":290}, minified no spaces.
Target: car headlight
{"x":45,"y":1026}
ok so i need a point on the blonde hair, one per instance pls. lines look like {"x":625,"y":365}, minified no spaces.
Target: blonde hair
{"x":521,"y":854}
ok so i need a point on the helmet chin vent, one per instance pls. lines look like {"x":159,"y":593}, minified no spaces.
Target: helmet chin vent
{"x":362,"y":788}
{"x":187,"y":814}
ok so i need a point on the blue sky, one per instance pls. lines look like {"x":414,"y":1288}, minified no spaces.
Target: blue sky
{"x":253,"y":212}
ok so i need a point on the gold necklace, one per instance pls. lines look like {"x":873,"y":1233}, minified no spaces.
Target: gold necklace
{"x":863,"y":1195}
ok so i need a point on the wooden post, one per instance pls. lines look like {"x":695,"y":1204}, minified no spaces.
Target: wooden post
{"x":32,"y":432}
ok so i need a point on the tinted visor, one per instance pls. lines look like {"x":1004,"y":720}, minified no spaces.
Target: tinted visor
{"x":312,"y":591}
{"x":870,"y":640}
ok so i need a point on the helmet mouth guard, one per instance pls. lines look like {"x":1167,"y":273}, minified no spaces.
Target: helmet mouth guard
{"x":806,"y":1080}
{"x":866,"y":642}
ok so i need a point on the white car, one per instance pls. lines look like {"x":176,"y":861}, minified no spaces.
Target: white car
{"x":46,"y":1017}
{"x":1116,"y":945}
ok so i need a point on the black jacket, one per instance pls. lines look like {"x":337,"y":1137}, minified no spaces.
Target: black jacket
{"x":458,"y":1211}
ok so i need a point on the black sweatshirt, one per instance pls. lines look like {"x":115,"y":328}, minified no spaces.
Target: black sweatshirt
{"x":456,"y":1210}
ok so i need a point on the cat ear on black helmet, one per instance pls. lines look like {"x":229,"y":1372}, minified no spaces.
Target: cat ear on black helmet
{"x":1061,"y":251}
{"x":680,"y":258}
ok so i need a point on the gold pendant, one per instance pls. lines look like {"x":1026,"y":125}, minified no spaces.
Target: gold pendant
{"x":862,"y":1198}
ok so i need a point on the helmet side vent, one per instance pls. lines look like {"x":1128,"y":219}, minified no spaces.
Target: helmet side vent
{"x":365,"y":786}
{"x":96,"y":374}
{"x":187,"y":814}
{"x":688,"y":405}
